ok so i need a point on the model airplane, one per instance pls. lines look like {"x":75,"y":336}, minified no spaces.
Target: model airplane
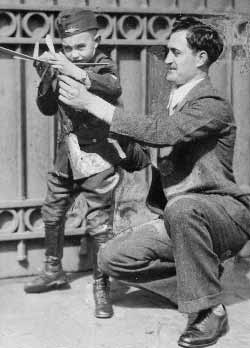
{"x":49,"y":42}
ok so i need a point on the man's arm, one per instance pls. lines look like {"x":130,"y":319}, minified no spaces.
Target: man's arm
{"x":198,"y":119}
{"x":76,"y":95}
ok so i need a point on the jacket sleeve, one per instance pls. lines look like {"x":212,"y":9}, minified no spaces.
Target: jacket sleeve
{"x":198,"y":119}
{"x":47,"y":100}
{"x":105,"y":81}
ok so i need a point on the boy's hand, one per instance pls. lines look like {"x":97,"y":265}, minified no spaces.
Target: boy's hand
{"x":66,"y":67}
{"x":46,"y":56}
{"x":43,"y":67}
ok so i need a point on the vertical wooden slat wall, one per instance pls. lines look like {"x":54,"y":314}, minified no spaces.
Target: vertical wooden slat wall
{"x":10,"y":140}
{"x":39,"y":138}
{"x":27,"y":139}
{"x":241,"y":100}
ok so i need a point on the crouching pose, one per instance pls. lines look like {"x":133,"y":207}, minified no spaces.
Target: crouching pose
{"x":206,"y":215}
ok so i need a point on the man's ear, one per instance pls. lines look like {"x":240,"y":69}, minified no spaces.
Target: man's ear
{"x":202,"y":59}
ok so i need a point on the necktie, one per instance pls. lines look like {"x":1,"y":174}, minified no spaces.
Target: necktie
{"x":171,"y":105}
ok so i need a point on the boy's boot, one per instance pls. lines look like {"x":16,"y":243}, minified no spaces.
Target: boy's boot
{"x":51,"y":277}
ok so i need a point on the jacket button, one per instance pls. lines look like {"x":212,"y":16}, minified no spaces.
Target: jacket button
{"x":94,"y":140}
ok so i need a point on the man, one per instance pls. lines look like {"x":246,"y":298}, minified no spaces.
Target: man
{"x":207,"y":217}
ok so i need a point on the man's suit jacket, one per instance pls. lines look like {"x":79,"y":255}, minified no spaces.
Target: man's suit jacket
{"x":202,"y":135}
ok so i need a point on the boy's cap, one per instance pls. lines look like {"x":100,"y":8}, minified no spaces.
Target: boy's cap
{"x":75,"y":21}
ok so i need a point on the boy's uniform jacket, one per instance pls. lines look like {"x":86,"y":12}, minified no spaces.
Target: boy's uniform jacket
{"x":91,"y":133}
{"x":201,"y":132}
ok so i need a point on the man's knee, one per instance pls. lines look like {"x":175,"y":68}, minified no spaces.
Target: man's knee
{"x":179,"y":213}
{"x":122,"y":254}
{"x":107,"y":258}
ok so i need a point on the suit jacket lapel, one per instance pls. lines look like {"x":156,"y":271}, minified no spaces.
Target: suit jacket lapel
{"x":195,"y":92}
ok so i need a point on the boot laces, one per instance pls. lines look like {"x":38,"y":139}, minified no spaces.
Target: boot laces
{"x":101,"y":296}
{"x":101,"y":291}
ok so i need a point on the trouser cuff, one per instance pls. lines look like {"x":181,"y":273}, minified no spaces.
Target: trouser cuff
{"x":201,"y":303}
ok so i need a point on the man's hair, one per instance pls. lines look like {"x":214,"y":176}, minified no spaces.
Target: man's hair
{"x":200,"y":37}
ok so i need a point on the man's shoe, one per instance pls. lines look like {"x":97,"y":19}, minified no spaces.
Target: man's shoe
{"x":205,"y":330}
{"x":103,"y":306}
{"x":52,"y":277}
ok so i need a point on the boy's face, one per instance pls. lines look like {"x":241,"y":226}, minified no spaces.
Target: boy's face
{"x":80,"y":47}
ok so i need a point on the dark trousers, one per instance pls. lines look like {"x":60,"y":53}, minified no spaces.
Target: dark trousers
{"x":98,"y":191}
{"x":199,"y":234}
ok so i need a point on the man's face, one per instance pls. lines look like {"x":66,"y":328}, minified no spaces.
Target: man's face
{"x":80,"y":47}
{"x":181,"y":60}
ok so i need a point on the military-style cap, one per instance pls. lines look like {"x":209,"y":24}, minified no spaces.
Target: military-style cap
{"x":75,"y":21}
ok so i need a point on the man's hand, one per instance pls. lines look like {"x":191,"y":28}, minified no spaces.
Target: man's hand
{"x":75,"y":94}
{"x":66,"y":67}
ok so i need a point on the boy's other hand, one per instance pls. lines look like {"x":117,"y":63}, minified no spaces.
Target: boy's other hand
{"x":41,"y":64}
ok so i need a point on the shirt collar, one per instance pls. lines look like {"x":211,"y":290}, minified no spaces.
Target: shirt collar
{"x":178,"y":94}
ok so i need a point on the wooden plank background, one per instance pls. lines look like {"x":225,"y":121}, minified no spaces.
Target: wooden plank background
{"x":27,"y":139}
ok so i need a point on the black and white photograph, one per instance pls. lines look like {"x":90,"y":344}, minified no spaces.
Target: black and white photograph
{"x":125,"y":173}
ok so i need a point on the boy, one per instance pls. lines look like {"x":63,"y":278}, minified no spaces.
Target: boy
{"x":85,"y":159}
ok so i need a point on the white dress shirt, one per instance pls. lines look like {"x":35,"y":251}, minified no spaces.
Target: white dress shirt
{"x":178,"y":94}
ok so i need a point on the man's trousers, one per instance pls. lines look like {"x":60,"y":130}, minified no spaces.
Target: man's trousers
{"x":199,"y":234}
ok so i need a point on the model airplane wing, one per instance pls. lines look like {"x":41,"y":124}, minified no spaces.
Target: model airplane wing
{"x":23,"y":56}
{"x":16,"y":54}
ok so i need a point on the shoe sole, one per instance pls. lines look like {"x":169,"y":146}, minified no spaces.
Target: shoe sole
{"x":187,"y":345}
{"x":52,"y":286}
{"x":103,"y":316}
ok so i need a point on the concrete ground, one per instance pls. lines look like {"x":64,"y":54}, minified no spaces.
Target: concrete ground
{"x":64,"y":318}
